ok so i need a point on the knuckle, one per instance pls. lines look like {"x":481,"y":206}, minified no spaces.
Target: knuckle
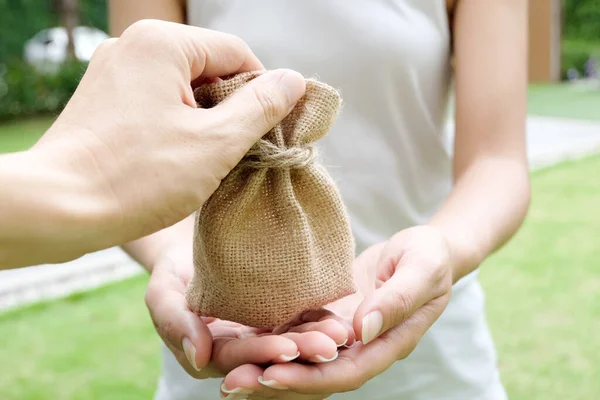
{"x":355,"y":377}
{"x":142,"y":27}
{"x":229,"y":41}
{"x":243,"y":45}
{"x":150,"y":296}
{"x":146,"y":33}
{"x":103,"y":52}
{"x":359,"y":381}
{"x":401,"y":306}
{"x":165,"y":329}
{"x":356,"y":384}
{"x":104,"y":47}
{"x":410,"y":343}
{"x":441,"y":279}
{"x":236,"y":40}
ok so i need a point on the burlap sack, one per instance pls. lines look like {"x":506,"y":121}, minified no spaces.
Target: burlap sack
{"x":274,"y":240}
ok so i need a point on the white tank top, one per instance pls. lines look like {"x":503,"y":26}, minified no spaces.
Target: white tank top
{"x":388,"y":152}
{"x":390,"y":60}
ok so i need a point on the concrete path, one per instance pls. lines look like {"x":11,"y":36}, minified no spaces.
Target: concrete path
{"x":549,"y":141}
{"x":29,"y":285}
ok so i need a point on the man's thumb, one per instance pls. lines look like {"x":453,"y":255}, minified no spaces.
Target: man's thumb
{"x":262,"y":103}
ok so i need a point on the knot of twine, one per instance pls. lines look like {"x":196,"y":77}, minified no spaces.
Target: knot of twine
{"x":265,"y":154}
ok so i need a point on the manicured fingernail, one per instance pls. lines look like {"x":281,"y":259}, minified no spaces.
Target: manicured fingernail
{"x":343,"y":344}
{"x":273,"y":384}
{"x":371,"y":326}
{"x":190,"y":352}
{"x":238,"y":390}
{"x":283,"y":358}
{"x":350,"y":346}
{"x":234,"y":396}
{"x":320,"y":359}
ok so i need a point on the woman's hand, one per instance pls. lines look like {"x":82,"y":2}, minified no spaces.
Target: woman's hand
{"x":413,"y":282}
{"x":131,"y":154}
{"x":208,"y":347}
{"x":404,"y":284}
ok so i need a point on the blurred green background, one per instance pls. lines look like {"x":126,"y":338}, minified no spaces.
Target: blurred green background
{"x":543,"y":288}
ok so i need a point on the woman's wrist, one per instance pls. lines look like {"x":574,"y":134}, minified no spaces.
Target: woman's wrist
{"x":174,"y":242}
{"x":147,"y":251}
{"x":465,"y":253}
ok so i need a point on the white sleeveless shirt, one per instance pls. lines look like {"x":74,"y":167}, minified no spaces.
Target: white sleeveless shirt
{"x":388,"y":152}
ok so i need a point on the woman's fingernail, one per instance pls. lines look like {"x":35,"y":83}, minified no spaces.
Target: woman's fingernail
{"x":238,"y":390}
{"x":234,"y":396}
{"x":320,"y":359}
{"x":350,"y":346}
{"x":273,"y":384}
{"x":283,"y":358}
{"x":371,"y":326}
{"x":343,"y":344}
{"x":190,"y":352}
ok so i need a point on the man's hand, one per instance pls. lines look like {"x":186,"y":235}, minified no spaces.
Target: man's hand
{"x":131,"y":153}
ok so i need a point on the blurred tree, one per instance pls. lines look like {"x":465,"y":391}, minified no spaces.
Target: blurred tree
{"x":69,"y":18}
{"x":582,"y":19}
{"x":20,"y":20}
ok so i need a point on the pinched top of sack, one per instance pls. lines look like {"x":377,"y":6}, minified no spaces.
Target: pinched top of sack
{"x":290,"y":143}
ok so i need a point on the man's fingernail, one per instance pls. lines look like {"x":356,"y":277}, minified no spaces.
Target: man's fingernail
{"x":292,"y":83}
{"x":320,"y":359}
{"x":273,"y":384}
{"x":371,"y":326}
{"x":190,"y":352}
{"x":238,"y":390}
{"x":283,"y":358}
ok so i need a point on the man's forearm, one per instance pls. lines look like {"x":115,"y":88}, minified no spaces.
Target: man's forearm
{"x":49,"y":214}
{"x":44,"y":211}
{"x":486,"y":207}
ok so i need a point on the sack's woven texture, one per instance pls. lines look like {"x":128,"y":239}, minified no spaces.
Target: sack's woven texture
{"x":274,"y":240}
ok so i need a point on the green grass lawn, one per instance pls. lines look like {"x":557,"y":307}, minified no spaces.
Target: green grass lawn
{"x":97,"y":345}
{"x":543,"y":301}
{"x":544,"y":290}
{"x":564,"y":101}
{"x":20,"y":135}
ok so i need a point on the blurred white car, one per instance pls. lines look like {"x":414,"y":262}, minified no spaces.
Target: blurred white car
{"x":48,"y":48}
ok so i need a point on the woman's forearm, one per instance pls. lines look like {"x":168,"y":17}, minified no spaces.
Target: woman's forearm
{"x":491,"y":191}
{"x":486,"y":207}
{"x":148,"y":250}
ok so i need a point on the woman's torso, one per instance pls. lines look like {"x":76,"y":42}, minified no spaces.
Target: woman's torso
{"x":390,"y":59}
{"x":388,"y":152}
